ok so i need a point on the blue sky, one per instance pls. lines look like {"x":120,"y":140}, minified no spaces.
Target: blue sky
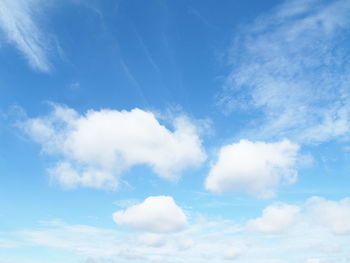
{"x":174,"y":131}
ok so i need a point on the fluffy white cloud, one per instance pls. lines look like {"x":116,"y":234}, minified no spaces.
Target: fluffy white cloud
{"x":334,"y":215}
{"x":292,"y":65}
{"x":275,"y":219}
{"x":95,"y":148}
{"x":17,"y":21}
{"x":316,"y":213}
{"x":256,"y":167}
{"x":158,"y":214}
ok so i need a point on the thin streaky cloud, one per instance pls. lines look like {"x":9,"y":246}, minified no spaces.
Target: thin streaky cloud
{"x":134,"y":82}
{"x":147,"y":52}
{"x":17,"y":21}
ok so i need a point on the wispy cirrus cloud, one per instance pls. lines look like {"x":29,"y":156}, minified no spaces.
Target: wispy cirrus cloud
{"x":18,"y":21}
{"x":292,"y":65}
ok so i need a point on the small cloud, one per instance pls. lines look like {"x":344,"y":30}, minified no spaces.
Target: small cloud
{"x":255,"y":167}
{"x":331,"y":214}
{"x":74,"y":85}
{"x":275,"y":219}
{"x":124,"y":203}
{"x":156,"y":214}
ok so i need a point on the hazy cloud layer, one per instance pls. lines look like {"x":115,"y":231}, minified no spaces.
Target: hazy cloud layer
{"x":313,"y":231}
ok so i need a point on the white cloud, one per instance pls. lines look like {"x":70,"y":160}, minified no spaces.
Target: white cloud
{"x":293,"y":66}
{"x":95,"y":148}
{"x":233,"y":253}
{"x":131,"y":254}
{"x":275,"y":219}
{"x":19,"y":24}
{"x":184,"y":243}
{"x":255,"y":167}
{"x":152,"y":239}
{"x":202,"y":241}
{"x":316,"y":214}
{"x":157,"y":214}
{"x":334,"y":215}
{"x":84,"y":239}
{"x":124,"y":203}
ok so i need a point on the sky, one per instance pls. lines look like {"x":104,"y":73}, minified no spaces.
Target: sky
{"x":187,"y":131}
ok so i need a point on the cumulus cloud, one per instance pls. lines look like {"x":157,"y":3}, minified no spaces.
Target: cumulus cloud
{"x":334,"y":215}
{"x":316,"y":213}
{"x":157,"y":214}
{"x":95,"y":148}
{"x":293,"y":66}
{"x":255,"y":167}
{"x":275,"y":219}
{"x":20,"y":26}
